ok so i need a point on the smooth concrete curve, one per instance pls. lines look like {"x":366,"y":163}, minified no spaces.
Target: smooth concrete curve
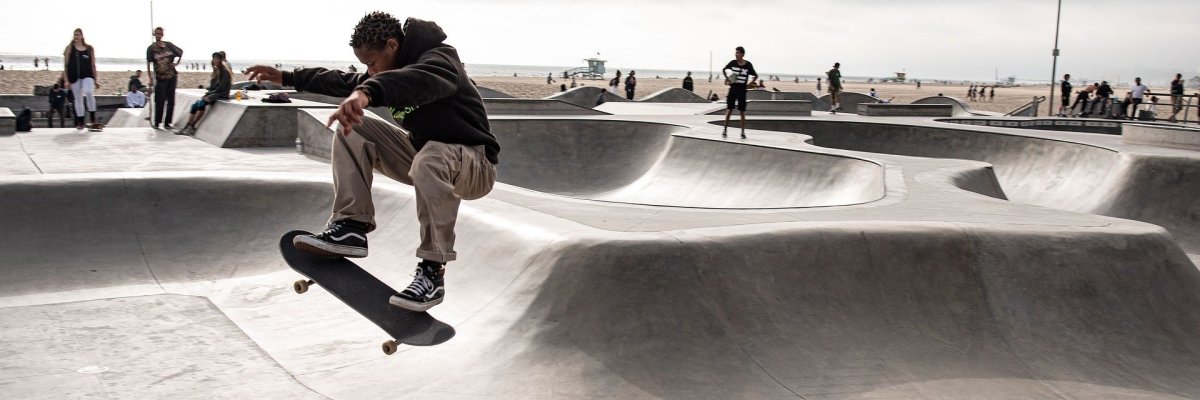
{"x":147,"y":268}
{"x":643,"y":163}
{"x":1048,"y":172}
{"x":961,"y":109}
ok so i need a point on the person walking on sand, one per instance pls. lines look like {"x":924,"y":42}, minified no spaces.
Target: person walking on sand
{"x":1176,"y":97}
{"x":218,"y":89}
{"x":835,"y":87}
{"x":612,"y":84}
{"x":737,"y":74}
{"x":1065,"y":95}
{"x":79,"y":70}
{"x":630,"y":84}
{"x":448,"y":153}
{"x":688,"y":84}
{"x":549,"y":78}
{"x":161,"y":59}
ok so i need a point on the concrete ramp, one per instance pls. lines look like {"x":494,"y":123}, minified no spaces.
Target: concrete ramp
{"x":674,"y":95}
{"x":849,"y":101}
{"x":960,"y":108}
{"x":536,"y":107}
{"x":489,"y":93}
{"x":585,"y":96}
{"x":643,"y":163}
{"x":245,"y":123}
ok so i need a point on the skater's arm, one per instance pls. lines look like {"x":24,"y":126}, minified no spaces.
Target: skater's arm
{"x":314,"y":80}
{"x":433,"y":77}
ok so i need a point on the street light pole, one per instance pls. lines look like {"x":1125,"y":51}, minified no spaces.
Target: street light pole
{"x":1054,"y":66}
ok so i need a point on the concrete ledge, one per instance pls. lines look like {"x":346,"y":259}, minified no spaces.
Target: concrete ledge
{"x":8,"y":122}
{"x":536,"y":107}
{"x":905,"y":110}
{"x":246,"y":123}
{"x":775,"y":108}
{"x":674,"y":95}
{"x":1162,"y":136}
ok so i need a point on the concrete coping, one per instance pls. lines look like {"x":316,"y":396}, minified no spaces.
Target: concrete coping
{"x":6,"y":113}
{"x":905,"y":110}
{"x":1176,"y":137}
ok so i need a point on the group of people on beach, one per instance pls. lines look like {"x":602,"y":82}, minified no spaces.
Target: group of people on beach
{"x":1097,"y":99}
{"x":980,"y":93}
{"x":162,"y":59}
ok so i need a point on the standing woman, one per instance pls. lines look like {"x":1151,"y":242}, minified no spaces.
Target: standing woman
{"x":161,"y":59}
{"x":79,"y":70}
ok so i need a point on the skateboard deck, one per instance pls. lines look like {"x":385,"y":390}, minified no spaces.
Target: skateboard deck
{"x":364,"y":293}
{"x":95,"y":127}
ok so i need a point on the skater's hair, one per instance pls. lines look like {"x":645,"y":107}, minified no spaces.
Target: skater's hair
{"x":224,"y":67}
{"x":374,"y":29}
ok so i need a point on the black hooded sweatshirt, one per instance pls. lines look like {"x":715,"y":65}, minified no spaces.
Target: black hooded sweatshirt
{"x":429,"y":92}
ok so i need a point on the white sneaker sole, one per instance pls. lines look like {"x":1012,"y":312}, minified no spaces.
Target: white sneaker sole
{"x":400,"y":302}
{"x":311,"y":245}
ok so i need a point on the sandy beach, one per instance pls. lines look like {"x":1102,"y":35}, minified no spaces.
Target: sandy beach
{"x":1007,"y":98}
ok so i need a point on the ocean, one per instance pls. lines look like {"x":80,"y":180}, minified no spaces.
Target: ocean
{"x":25,"y":62}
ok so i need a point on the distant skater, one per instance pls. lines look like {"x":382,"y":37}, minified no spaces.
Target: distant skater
{"x":218,"y":89}
{"x":688,"y":84}
{"x":1065,"y":95}
{"x":835,"y":87}
{"x":630,"y":84}
{"x":445,"y":150}
{"x":79,"y":69}
{"x":1176,"y":97}
{"x":161,"y":59}
{"x":737,"y":74}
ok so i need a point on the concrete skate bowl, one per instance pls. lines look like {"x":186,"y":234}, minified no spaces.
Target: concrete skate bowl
{"x":1043,"y":172}
{"x":961,"y":109}
{"x":173,"y":281}
{"x":674,"y":95}
{"x":643,"y":163}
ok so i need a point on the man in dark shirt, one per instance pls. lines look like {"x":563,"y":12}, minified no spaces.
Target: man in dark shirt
{"x":630,"y":85}
{"x":1065,"y":95}
{"x":737,"y":74}
{"x":135,"y":81}
{"x":688,"y":85}
{"x":1176,"y":97}
{"x":1103,"y":94}
{"x":448,"y":155}
{"x":58,"y":99}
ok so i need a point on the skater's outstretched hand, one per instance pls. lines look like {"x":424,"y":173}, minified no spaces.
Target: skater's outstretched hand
{"x":350,"y":112}
{"x":265,"y":73}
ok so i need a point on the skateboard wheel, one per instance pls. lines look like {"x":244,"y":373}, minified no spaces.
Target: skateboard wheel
{"x":301,"y":286}
{"x":389,"y":347}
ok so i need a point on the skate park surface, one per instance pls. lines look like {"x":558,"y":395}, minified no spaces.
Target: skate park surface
{"x":633,"y":255}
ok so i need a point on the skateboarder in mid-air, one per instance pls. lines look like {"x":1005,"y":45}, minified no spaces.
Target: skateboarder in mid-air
{"x":449,"y":155}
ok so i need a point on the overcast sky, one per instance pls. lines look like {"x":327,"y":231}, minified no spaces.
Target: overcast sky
{"x":951,"y":39}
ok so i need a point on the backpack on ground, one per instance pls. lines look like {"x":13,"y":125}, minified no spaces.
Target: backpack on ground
{"x":25,"y":120}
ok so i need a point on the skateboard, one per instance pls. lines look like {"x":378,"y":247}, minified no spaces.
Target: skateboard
{"x":95,"y":127}
{"x":364,"y":293}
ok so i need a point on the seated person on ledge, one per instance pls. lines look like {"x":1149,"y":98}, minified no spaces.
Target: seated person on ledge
{"x":218,"y":89}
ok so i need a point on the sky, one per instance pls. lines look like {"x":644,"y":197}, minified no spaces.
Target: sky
{"x":928,"y":39}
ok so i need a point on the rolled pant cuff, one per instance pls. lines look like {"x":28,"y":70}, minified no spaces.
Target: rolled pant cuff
{"x":435,"y":256}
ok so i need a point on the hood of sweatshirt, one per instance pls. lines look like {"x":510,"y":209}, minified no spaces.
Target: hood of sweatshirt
{"x":419,"y":36}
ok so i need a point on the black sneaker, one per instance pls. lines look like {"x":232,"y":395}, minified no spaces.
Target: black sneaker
{"x":168,"y":127}
{"x":342,"y":239}
{"x":426,"y":290}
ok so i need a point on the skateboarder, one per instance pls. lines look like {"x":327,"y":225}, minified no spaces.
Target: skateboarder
{"x":449,"y":155}
{"x":835,"y":86}
{"x":737,"y":75}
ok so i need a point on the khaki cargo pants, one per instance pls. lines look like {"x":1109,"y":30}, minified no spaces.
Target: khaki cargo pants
{"x":443,"y":175}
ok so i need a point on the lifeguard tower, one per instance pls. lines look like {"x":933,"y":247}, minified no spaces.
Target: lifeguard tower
{"x":593,"y":70}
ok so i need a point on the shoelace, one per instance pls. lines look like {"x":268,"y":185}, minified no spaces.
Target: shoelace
{"x":330,"y":230}
{"x":420,"y":284}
